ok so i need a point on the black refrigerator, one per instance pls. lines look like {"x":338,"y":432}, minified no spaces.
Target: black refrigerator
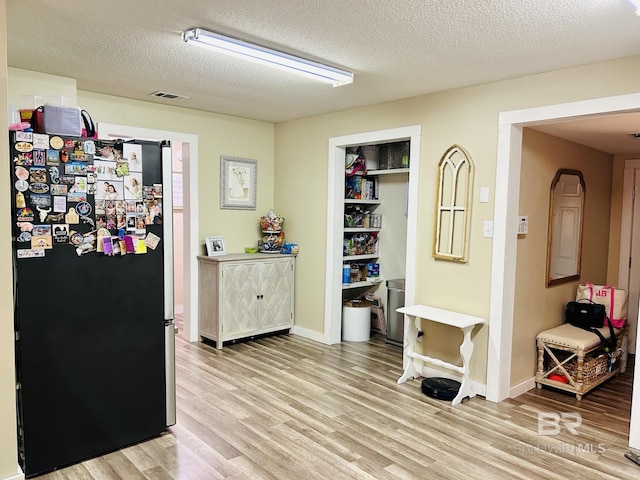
{"x":93,"y":296}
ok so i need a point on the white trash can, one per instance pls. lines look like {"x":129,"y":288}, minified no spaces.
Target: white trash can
{"x":356,"y":321}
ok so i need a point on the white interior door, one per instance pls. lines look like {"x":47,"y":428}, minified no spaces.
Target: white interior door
{"x":634,"y":264}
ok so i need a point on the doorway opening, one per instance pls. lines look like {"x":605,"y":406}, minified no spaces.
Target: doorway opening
{"x":335,"y":206}
{"x":503,"y":271}
{"x":189,"y":200}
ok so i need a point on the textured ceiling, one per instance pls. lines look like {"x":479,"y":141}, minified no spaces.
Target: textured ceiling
{"x":396,"y":48}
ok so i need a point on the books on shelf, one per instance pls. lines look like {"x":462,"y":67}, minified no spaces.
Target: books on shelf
{"x":361,"y":187}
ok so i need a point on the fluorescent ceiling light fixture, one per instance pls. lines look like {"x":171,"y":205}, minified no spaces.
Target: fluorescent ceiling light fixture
{"x":267,"y":56}
{"x":636,"y":3}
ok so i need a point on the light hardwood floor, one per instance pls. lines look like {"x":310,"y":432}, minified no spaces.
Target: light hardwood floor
{"x":284,"y":407}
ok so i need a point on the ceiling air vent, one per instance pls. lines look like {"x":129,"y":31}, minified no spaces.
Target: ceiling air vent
{"x":169,"y":96}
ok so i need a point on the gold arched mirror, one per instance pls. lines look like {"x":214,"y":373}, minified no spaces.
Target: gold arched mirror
{"x":566,"y":213}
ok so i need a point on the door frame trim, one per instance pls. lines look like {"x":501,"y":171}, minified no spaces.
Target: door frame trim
{"x":335,"y":206}
{"x":191,"y":245}
{"x":626,"y":221}
{"x":503,"y":264}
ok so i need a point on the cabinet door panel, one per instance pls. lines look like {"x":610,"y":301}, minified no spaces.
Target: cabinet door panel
{"x":276,"y":288}
{"x":239,"y":298}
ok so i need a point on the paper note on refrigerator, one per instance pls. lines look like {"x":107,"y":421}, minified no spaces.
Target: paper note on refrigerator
{"x":152,"y":240}
{"x":107,"y":247}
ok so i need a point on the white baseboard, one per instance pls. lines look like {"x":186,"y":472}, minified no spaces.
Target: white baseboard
{"x":17,"y":476}
{"x":523,"y":387}
{"x":310,"y":334}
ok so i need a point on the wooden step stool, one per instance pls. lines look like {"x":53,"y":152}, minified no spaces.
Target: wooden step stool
{"x":574,"y":353}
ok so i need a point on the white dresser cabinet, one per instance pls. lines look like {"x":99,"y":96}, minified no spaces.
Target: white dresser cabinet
{"x":242,"y":295}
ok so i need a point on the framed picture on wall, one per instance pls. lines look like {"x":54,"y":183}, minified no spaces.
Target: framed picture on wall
{"x":215,"y":246}
{"x":238,"y":182}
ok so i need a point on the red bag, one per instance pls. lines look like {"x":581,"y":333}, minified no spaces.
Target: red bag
{"x":37,"y":120}
{"x":614,"y":300}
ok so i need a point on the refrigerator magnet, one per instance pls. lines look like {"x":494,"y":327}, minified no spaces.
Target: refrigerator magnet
{"x":39,"y":158}
{"x":22,"y":185}
{"x":77,"y":196}
{"x":54,"y":217}
{"x":24,"y":136}
{"x":67,"y":179}
{"x":60,"y":203}
{"x":75,"y":238}
{"x":72,"y":217}
{"x":41,"y":141}
{"x":53,"y":158}
{"x":105,"y":245}
{"x":38,"y":174}
{"x":83,"y":208}
{"x":115,"y":245}
{"x":42,"y":213}
{"x":57,"y":189}
{"x":39,"y":187}
{"x":25,"y":226}
{"x":56,"y":142}
{"x":22,"y":173}
{"x":24,"y":237}
{"x":54,"y":174}
{"x":24,"y":146}
{"x":20,"y":203}
{"x":25,"y":159}
{"x":128,"y":242}
{"x":86,"y":220}
{"x":24,"y":215}
{"x":89,"y":147}
{"x":40,"y":200}
{"x":30,"y":253}
{"x":61,"y":233}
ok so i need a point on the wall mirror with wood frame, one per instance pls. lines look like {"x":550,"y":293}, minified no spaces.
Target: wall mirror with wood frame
{"x":566,"y":215}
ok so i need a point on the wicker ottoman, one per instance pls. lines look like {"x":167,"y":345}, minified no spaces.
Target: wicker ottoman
{"x":573,"y":354}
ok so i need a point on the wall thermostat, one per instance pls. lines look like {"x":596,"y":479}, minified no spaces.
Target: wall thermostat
{"x":523,"y":224}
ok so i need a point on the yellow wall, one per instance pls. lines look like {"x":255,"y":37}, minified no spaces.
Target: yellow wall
{"x":295,"y":185}
{"x":537,"y":307}
{"x":25,"y":84}
{"x":468,"y":117}
{"x":217,"y":135}
{"x":8,"y":446}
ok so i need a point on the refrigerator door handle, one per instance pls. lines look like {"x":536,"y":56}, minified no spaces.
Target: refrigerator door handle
{"x":167,"y":230}
{"x":170,"y":371}
{"x":169,"y":326}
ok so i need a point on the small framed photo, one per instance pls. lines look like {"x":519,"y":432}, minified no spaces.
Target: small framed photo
{"x":238,"y":183}
{"x":215,"y":246}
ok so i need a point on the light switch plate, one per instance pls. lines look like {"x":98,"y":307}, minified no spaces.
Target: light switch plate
{"x":484,"y":194}
{"x":487,"y":229}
